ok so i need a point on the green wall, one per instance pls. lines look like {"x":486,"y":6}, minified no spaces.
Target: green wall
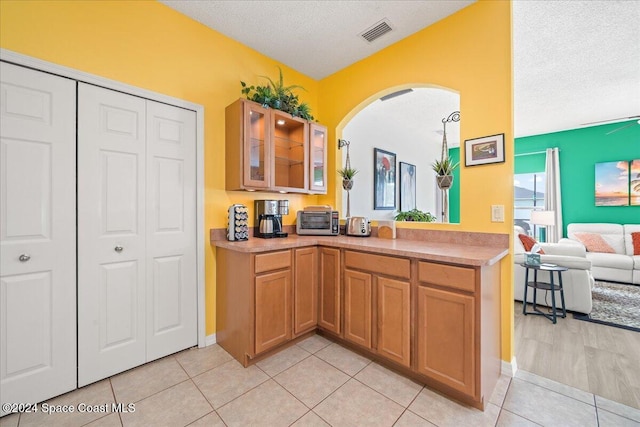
{"x":580,"y":150}
{"x":454,"y":191}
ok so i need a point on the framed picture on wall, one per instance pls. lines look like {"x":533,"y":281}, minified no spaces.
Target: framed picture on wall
{"x":407,"y":187}
{"x":634,"y":183}
{"x":485,"y":150}
{"x":384,"y":179}
{"x":610,"y":189}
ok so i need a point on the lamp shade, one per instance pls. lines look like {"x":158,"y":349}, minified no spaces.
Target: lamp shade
{"x":543,"y":217}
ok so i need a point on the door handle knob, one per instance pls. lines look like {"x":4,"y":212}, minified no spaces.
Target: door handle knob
{"x":24,"y":258}
{"x":118,"y":248}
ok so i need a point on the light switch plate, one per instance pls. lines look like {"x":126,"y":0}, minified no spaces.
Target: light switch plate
{"x":497,"y":213}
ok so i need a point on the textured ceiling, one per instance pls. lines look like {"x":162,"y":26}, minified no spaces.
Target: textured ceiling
{"x":422,"y":111}
{"x":315,"y":37}
{"x":575,"y":62}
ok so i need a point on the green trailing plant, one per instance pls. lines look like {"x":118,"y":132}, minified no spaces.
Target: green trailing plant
{"x":347,"y":173}
{"x":444,"y":167}
{"x":415,"y":215}
{"x":278,"y":96}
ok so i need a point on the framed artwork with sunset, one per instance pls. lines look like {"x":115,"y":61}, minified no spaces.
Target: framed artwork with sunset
{"x":617,"y":183}
{"x":634,"y":183}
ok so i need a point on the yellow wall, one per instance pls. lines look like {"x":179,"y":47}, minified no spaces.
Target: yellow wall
{"x":469,"y":52}
{"x":146,"y":44}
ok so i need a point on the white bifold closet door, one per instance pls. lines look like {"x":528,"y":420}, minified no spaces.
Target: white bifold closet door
{"x":37,"y":235}
{"x":136,"y":231}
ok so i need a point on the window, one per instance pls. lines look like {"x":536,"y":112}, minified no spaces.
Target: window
{"x":529,"y":192}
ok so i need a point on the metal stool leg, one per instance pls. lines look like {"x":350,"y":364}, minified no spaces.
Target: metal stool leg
{"x":564,"y":311}
{"x":553,"y":298}
{"x":535,"y":289}
{"x":526,"y":286}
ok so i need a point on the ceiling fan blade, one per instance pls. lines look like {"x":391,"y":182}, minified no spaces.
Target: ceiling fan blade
{"x":620,"y":119}
{"x":620,"y":128}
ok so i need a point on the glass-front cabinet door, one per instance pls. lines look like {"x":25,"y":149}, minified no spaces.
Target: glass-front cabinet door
{"x":290,"y":142}
{"x":317,"y":158}
{"x":257,"y":150}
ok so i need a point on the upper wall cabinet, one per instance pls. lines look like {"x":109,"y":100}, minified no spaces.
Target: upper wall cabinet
{"x":317,"y":158}
{"x":269,"y":150}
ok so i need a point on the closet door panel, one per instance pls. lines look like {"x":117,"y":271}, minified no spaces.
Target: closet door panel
{"x":171,"y":230}
{"x":37,"y":235}
{"x":111,"y":232}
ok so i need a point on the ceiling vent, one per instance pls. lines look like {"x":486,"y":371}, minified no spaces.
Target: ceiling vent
{"x":376,"y":31}
{"x":394,"y":94}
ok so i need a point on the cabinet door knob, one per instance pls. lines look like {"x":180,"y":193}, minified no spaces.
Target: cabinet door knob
{"x":118,"y":248}
{"x":24,"y":258}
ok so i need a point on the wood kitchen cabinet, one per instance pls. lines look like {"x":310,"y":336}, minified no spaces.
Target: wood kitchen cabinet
{"x":329,"y":307}
{"x":436,"y":323}
{"x":305,"y":290}
{"x":253,"y":304}
{"x":357,"y":307}
{"x":273,"y":309}
{"x":366,"y":279}
{"x":317,"y":158}
{"x":446,"y":335}
{"x":394,"y":320}
{"x":270,"y":150}
{"x":458,"y":323}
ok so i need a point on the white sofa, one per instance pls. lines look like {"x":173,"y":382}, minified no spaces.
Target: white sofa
{"x":621,"y":266}
{"x":577,"y":281}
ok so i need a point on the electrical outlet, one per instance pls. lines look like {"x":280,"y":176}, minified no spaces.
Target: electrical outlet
{"x":497,"y":213}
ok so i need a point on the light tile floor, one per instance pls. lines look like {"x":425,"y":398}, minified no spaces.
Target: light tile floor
{"x":315,"y":383}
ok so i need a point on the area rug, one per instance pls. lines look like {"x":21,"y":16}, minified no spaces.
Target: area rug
{"x":614,"y":304}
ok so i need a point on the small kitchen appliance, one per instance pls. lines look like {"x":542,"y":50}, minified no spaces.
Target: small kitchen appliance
{"x":358,"y":226}
{"x":238,"y":225}
{"x":269,"y":218}
{"x":318,"y":221}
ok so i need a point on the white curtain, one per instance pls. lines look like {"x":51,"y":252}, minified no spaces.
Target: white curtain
{"x":553,"y":195}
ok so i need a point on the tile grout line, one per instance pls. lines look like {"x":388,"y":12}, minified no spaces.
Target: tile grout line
{"x":556,"y":391}
{"x":113,"y":392}
{"x":517,"y":415}
{"x":410,"y":403}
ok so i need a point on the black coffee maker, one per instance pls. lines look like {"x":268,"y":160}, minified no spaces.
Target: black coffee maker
{"x":269,"y":218}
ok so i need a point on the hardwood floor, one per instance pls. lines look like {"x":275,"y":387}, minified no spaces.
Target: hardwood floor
{"x":600,"y":359}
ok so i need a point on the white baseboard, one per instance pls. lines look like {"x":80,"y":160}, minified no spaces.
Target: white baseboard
{"x":210,"y":340}
{"x":510,"y":369}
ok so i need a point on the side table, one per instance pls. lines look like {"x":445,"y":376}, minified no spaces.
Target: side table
{"x":547,"y":286}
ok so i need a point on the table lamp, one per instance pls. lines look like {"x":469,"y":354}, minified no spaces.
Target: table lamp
{"x":543,"y":219}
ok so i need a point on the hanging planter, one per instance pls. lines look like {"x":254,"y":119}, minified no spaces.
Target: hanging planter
{"x":444,"y":181}
{"x":347,"y":173}
{"x":445,"y":166}
{"x":347,"y":184}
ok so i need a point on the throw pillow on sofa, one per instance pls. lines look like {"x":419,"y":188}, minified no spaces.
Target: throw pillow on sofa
{"x":528,"y":242}
{"x":635,"y":239}
{"x":594,"y":243}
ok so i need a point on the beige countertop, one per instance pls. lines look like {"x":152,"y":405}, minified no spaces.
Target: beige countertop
{"x":432,"y":251}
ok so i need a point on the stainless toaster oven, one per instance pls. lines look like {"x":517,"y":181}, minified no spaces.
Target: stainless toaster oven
{"x":318,"y":222}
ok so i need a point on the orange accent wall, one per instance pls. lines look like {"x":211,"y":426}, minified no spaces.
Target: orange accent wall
{"x":149,"y":45}
{"x":469,"y":52}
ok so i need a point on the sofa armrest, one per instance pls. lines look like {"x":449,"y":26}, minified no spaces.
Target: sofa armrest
{"x":571,"y":262}
{"x":565,"y":247}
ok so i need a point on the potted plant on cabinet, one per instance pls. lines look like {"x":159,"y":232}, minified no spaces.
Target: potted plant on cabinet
{"x":277,"y":95}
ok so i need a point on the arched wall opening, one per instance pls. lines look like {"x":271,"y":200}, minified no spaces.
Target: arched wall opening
{"x":407,"y":122}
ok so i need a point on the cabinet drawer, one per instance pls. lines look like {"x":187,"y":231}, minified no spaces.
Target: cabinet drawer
{"x":447,"y":275}
{"x":272,"y":261}
{"x":399,"y":267}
